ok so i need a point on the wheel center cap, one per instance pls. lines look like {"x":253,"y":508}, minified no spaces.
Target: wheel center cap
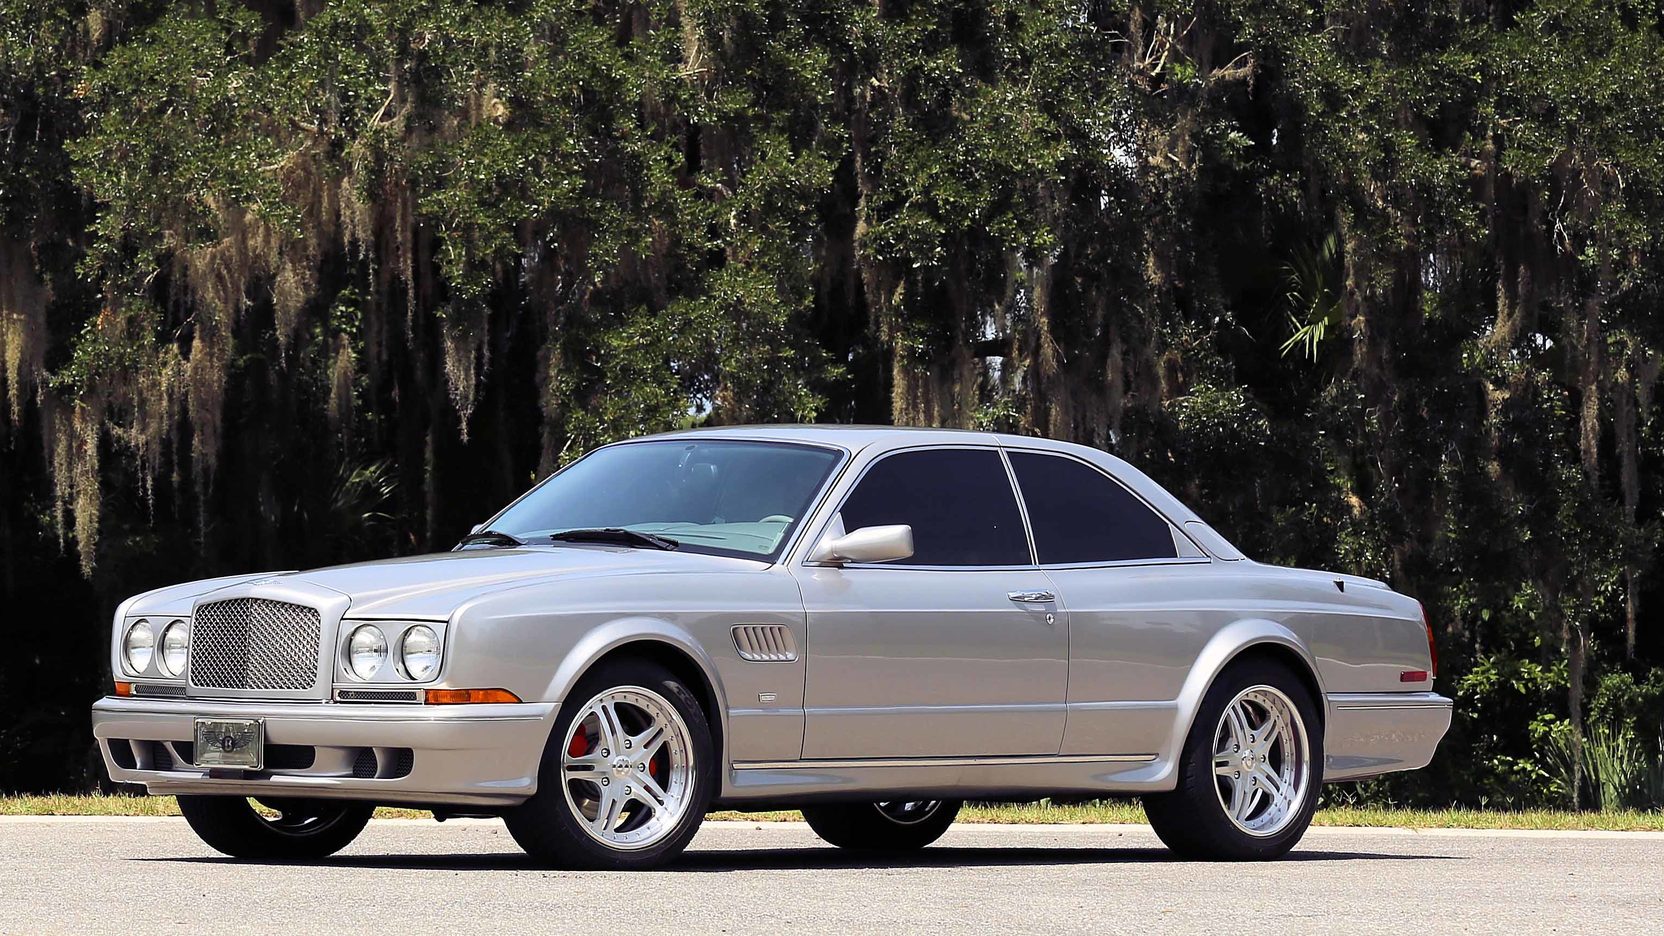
{"x":1248,"y":762}
{"x":621,"y":767}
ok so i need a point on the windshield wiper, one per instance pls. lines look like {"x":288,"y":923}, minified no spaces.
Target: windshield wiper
{"x":490,"y":538}
{"x":615,"y":536}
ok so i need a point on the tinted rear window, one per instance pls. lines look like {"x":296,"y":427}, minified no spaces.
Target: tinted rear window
{"x":1079,"y":514}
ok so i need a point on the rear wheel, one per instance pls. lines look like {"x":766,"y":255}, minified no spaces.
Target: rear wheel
{"x":894,"y":825}
{"x":626,"y":777}
{"x":1250,"y":770}
{"x":285,"y":829}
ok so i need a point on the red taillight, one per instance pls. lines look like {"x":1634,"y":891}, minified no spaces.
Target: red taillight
{"x":1432,"y":645}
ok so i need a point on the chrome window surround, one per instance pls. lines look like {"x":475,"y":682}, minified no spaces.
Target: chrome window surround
{"x":1176,"y":529}
{"x":788,"y":543}
{"x":1022,"y":507}
{"x":834,"y":514}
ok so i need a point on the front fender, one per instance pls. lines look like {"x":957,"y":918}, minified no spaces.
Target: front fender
{"x":598,"y":641}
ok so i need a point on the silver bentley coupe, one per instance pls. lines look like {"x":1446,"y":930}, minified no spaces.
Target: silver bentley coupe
{"x":871,"y":625}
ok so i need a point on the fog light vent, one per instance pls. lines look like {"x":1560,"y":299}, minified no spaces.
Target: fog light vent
{"x":403,"y":760}
{"x":160,"y":757}
{"x":364,"y":765}
{"x":121,"y":751}
{"x":292,"y":757}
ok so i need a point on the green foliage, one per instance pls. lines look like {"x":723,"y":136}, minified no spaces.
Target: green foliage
{"x":1374,"y":287}
{"x":1314,"y":297}
{"x":1618,"y":769}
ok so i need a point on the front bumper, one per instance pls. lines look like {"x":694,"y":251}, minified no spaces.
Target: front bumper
{"x":463,"y":755}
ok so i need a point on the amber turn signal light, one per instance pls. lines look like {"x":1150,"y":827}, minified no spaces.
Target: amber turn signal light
{"x":468,"y":696}
{"x":124,"y":688}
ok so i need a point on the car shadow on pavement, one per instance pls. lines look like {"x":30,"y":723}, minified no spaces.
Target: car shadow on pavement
{"x":789,"y":859}
{"x":809,"y":859}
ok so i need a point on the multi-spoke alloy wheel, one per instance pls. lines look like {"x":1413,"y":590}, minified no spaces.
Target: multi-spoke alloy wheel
{"x":1247,"y":778}
{"x":627,"y":765}
{"x":892,"y":825}
{"x":910,"y":812}
{"x":1261,"y":760}
{"x":283,"y":828}
{"x":627,"y":775}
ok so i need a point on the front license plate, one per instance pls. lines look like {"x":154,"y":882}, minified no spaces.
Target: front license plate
{"x":230,"y":742}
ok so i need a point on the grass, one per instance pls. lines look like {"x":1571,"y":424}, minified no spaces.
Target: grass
{"x":1112,"y":811}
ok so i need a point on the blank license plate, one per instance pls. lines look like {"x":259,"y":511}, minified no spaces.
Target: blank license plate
{"x":230,"y":742}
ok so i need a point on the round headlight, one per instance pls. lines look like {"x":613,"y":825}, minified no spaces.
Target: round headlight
{"x":175,"y":641}
{"x":420,"y":652}
{"x":139,"y":646}
{"x":367,"y":651}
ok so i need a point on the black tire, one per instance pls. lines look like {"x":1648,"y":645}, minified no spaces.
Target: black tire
{"x":303,"y":830}
{"x":1193,"y":820}
{"x":546,"y":825}
{"x":889,"y":826}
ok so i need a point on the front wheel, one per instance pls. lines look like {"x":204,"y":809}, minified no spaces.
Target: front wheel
{"x":1250,"y":770}
{"x":888,"y":826}
{"x":287,"y":829}
{"x":627,"y":774}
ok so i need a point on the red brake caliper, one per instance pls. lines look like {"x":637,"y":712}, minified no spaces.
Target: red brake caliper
{"x":580,"y":744}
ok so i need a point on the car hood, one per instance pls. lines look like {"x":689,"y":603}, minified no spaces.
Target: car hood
{"x":434,"y":585}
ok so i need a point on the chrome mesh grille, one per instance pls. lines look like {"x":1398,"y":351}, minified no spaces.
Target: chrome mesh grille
{"x":159,"y":690}
{"x":378,"y":695}
{"x":255,"y":643}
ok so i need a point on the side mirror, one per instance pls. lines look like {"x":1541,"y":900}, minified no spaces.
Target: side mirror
{"x":477,"y":527}
{"x":868,"y":544}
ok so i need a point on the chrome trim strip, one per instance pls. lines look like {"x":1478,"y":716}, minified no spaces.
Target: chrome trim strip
{"x":1120,"y":704}
{"x":1030,"y":759}
{"x":1387,"y":701}
{"x":1022,"y":505}
{"x":112,"y":707}
{"x":1000,"y":709}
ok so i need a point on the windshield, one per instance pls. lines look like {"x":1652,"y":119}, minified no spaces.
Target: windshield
{"x":723,"y":497}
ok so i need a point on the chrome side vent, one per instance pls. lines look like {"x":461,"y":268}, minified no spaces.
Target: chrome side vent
{"x":765,"y":643}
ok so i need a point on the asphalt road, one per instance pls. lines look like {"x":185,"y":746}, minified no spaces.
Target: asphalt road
{"x":136,"y":876}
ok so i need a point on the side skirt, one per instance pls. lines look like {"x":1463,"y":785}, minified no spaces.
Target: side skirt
{"x":958,"y":777}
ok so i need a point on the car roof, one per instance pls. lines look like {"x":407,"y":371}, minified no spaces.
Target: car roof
{"x":855,"y":438}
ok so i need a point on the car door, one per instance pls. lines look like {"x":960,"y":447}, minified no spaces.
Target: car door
{"x":1130,"y":582}
{"x":959,"y":650}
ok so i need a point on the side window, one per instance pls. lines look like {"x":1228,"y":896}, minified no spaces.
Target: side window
{"x":959,"y":503}
{"x":1079,"y":514}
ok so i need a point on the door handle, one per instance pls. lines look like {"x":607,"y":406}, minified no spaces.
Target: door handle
{"x":1031,"y":597}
